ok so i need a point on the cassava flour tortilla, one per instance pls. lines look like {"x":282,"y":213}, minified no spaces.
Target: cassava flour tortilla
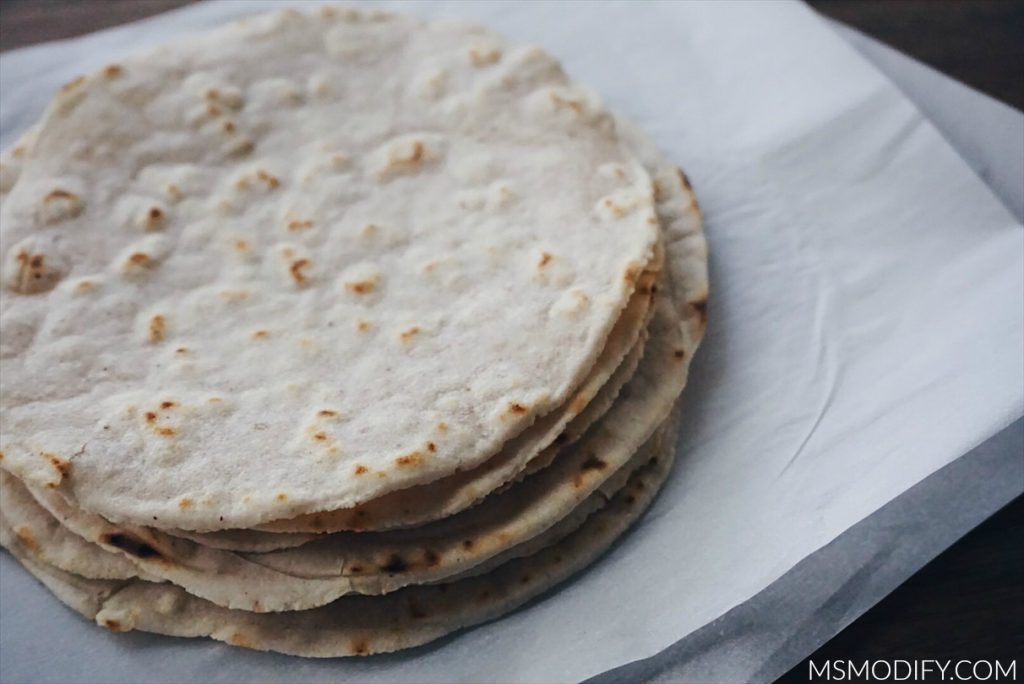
{"x":321,"y":571}
{"x":357,"y":625}
{"x":302,"y":261}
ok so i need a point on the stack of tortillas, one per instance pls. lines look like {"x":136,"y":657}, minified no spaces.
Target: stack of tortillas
{"x":333,"y":333}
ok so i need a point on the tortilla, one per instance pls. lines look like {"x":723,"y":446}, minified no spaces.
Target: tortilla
{"x":361,"y":625}
{"x":299,"y":262}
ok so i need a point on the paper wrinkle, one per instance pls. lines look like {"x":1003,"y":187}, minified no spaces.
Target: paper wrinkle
{"x":864,"y":330}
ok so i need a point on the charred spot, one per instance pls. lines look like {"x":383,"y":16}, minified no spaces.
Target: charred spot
{"x":130,"y":545}
{"x":297,"y":268}
{"x":431,"y":447}
{"x":593,"y":463}
{"x":395,"y":564}
{"x":467,"y":544}
{"x":155,"y":213}
{"x":113,"y":625}
{"x":150,"y":416}
{"x":679,"y":354}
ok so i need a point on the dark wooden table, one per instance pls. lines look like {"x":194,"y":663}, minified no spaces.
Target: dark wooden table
{"x":968,"y":602}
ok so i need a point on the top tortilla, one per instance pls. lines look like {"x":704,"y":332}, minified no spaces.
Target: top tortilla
{"x":302,"y":261}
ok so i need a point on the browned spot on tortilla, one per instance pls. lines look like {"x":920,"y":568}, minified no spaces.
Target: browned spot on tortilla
{"x":213,"y":110}
{"x":578,"y":404}
{"x":327,"y":413}
{"x":431,"y":447}
{"x":185,"y":503}
{"x":414,"y":458}
{"x":362,"y":286}
{"x":154,"y":216}
{"x":239,"y":639}
{"x":577,"y":481}
{"x":442,"y":426}
{"x":320,"y":436}
{"x":113,"y":625}
{"x":297,"y":268}
{"x":562,"y":438}
{"x":561,"y":102}
{"x":483,"y":57}
{"x":260,"y":335}
{"x":524,"y":579}
{"x":395,"y":564}
{"x":112,"y":71}
{"x":630,"y":499}
{"x":282,"y":497}
{"x":257,"y":606}
{"x":701,"y":307}
{"x":268,"y":179}
{"x":140,"y":259}
{"x":430,"y":558}
{"x":360,"y":647}
{"x":417,"y":152}
{"x":24,"y":535}
{"x":485,"y":594}
{"x":633,"y":271}
{"x":166,"y":431}
{"x":355,"y":569}
{"x":593,"y":463}
{"x":241,"y":246}
{"x":683,"y":179}
{"x":130,"y":545}
{"x":545,"y":258}
{"x":679,"y":353}
{"x":157,"y":328}
{"x":363,"y":326}
{"x":409,"y":334}
{"x":229,"y":127}
{"x":150,"y":416}
{"x":298,"y":225}
{"x":168,"y":404}
{"x":361,"y":469}
{"x":467,"y":544}
{"x":515,"y":408}
{"x":72,"y":84}
{"x":60,"y":465}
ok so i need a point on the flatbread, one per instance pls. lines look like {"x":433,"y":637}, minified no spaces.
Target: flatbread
{"x":234,"y":292}
{"x":361,"y":625}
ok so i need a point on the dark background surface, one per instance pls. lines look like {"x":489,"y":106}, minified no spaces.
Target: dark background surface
{"x":968,"y":602}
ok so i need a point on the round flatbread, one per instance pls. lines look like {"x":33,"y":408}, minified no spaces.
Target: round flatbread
{"x":302,"y":261}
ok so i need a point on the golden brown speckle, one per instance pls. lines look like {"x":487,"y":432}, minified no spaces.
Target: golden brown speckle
{"x":360,"y":469}
{"x":112,"y":71}
{"x":407,"y":335}
{"x":185,"y":503}
{"x":297,"y":268}
{"x":297,"y":225}
{"x":157,"y":328}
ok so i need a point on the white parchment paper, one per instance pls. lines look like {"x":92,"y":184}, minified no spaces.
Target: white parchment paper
{"x":866,"y":329}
